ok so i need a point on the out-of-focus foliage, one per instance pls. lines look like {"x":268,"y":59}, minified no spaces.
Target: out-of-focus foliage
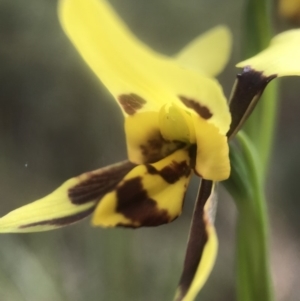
{"x":56,"y":121}
{"x":290,"y":9}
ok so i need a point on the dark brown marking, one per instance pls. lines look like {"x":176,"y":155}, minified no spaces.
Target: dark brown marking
{"x":248,"y":88}
{"x":135,"y":204}
{"x":171,"y":173}
{"x":157,"y":148}
{"x":203,"y":111}
{"x":99,"y":183}
{"x":61,"y":221}
{"x":193,"y":155}
{"x":197,"y":240}
{"x":131,"y":102}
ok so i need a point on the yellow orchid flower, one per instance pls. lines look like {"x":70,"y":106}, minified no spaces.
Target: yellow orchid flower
{"x":177,"y":122}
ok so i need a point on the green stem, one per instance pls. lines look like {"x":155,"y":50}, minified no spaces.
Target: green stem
{"x":268,"y":114}
{"x":253,"y":270}
{"x":258,"y":33}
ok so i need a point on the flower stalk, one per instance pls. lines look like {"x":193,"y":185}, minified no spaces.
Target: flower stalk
{"x":250,"y":162}
{"x":253,"y":269}
{"x":257,"y":35}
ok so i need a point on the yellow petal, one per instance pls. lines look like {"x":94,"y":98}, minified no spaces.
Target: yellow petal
{"x":176,"y":124}
{"x":208,"y":53}
{"x":145,"y":143}
{"x":139,"y":78}
{"x":202,"y":246}
{"x":71,"y":202}
{"x":212,"y":161}
{"x":281,"y":58}
{"x":149,"y":195}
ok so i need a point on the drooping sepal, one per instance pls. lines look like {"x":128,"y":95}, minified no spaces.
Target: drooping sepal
{"x":202,"y":245}
{"x":70,"y":203}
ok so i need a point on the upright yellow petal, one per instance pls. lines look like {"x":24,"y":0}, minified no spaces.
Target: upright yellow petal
{"x":208,"y":53}
{"x":139,"y":78}
{"x":281,"y":58}
{"x":113,"y":53}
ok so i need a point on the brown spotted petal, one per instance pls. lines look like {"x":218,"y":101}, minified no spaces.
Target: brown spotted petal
{"x":149,"y":195}
{"x":145,"y":143}
{"x":71,"y":202}
{"x":202,"y":245}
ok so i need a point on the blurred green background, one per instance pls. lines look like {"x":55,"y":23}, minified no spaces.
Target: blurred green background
{"x":57,"y":121}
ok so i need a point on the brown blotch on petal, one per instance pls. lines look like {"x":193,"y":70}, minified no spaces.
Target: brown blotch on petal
{"x":99,"y":183}
{"x":62,"y":221}
{"x":157,"y":148}
{"x":131,"y":102}
{"x":193,"y":155}
{"x":171,"y":173}
{"x":201,"y":110}
{"x":134,"y":203}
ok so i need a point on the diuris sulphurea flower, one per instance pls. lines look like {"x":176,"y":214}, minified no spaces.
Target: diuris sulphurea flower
{"x":177,"y":122}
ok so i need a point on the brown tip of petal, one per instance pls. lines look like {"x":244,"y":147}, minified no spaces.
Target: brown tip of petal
{"x":201,"y":110}
{"x":249,"y":86}
{"x":131,"y":102}
{"x":134,"y":203}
